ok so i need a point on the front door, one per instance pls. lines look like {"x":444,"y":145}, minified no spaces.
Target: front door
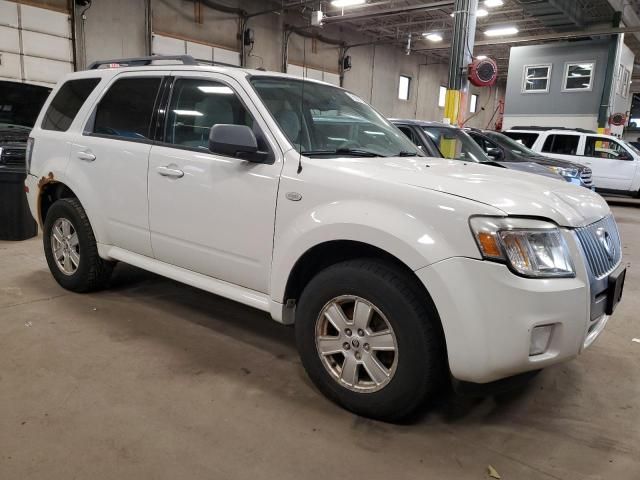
{"x":612,"y":165}
{"x":210,"y":213}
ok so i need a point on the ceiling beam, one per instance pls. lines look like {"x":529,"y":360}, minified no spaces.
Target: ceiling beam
{"x":350,"y":17}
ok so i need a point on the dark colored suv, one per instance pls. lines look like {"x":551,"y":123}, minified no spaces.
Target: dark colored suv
{"x":502,"y":148}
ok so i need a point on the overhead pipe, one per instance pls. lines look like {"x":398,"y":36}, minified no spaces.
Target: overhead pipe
{"x":330,"y":20}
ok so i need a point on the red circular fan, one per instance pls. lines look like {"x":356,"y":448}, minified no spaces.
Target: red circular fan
{"x":483,"y":73}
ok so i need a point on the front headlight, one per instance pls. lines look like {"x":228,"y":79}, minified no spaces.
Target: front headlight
{"x":530,"y":248}
{"x":565,"y":172}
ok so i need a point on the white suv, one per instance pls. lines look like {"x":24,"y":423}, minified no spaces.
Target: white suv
{"x":397,"y":269}
{"x":614,"y":162}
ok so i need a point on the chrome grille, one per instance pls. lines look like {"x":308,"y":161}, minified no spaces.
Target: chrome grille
{"x":601,"y":244}
{"x":585,"y":176}
{"x":12,"y":156}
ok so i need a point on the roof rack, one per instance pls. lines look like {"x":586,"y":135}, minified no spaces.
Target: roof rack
{"x":542,"y":129}
{"x":142,"y":61}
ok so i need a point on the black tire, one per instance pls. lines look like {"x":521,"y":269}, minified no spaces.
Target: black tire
{"x":421,"y":363}
{"x":92,"y":273}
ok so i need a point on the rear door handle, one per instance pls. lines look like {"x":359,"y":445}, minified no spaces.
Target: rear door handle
{"x":86,"y":156}
{"x":170,"y":172}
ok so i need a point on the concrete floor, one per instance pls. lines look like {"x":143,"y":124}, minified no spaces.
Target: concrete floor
{"x":153,"y":379}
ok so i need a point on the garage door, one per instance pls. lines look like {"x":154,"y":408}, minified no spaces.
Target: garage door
{"x":308,"y":72}
{"x":35,"y":44}
{"x":165,"y":45}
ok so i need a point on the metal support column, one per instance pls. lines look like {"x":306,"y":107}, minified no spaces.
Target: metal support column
{"x":464,"y":29}
{"x":612,"y":62}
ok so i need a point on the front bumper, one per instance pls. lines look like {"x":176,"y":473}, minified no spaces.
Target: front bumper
{"x":488,"y":315}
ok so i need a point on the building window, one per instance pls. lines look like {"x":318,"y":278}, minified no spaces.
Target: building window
{"x":473,"y":105}
{"x":403,"y":87}
{"x":536,"y":78}
{"x":578,"y":76}
{"x":442,"y":96}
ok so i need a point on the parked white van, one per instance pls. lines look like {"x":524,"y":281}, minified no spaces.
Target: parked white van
{"x":614,"y":162}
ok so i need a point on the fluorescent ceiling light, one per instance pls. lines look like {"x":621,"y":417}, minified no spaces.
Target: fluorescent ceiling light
{"x":434,"y":37}
{"x":211,"y":89}
{"x":346,"y":3}
{"x":493,"y":3}
{"x":481,"y":12}
{"x":481,"y":57}
{"x":497,"y":32}
{"x":190,"y":113}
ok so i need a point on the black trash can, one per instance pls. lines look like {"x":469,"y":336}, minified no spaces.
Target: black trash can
{"x":16,"y":222}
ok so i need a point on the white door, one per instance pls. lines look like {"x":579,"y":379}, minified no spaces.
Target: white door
{"x":35,"y":44}
{"x":113,"y":157}
{"x":613,"y":167}
{"x":210,"y":213}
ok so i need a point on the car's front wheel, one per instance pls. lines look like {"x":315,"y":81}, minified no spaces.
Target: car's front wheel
{"x":71,"y":250}
{"x":370,"y":339}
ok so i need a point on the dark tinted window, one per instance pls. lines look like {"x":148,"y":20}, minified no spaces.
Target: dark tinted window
{"x":561,"y":144}
{"x":527,"y":139}
{"x":20,"y":103}
{"x":408,"y":132}
{"x":603,"y":147}
{"x":65,"y":105}
{"x":126,"y":109}
{"x":198,"y":105}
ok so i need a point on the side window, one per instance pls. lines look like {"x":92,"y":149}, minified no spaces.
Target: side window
{"x":196,"y":106}
{"x":482,"y":143}
{"x":407,"y":131}
{"x":67,"y":102}
{"x":602,"y":147}
{"x":561,"y":144}
{"x":126,"y":109}
{"x":527,"y":139}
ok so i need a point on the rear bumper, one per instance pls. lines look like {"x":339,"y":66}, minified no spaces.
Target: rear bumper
{"x":488,"y":315}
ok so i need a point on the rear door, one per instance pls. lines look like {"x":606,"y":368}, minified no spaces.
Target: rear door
{"x":562,"y":145}
{"x":612,"y":165}
{"x":111,"y":158}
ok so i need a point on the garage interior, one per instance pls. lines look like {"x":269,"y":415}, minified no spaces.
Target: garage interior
{"x":152,"y":378}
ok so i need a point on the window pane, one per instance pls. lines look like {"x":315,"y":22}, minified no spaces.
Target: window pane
{"x":196,"y":106}
{"x":537,"y":72}
{"x":474,"y":103}
{"x":602,"y":147}
{"x":20,"y":103}
{"x":578,"y":83}
{"x":403,"y":87}
{"x":126,"y":109}
{"x":442,"y":95}
{"x":527,"y":139}
{"x":540,"y":84}
{"x":64,"y":107}
{"x":578,"y":76}
{"x":580,"y":70}
{"x":561,"y":144}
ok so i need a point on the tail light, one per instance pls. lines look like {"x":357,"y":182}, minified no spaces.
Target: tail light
{"x":30,"y":143}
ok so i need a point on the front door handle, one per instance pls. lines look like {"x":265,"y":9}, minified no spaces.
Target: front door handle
{"x":86,"y":156}
{"x":170,"y":172}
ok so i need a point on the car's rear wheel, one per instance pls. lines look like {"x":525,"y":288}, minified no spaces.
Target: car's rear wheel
{"x":370,"y":339}
{"x":71,"y":250}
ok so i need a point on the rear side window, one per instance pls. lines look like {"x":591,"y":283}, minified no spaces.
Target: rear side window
{"x":527,"y":139}
{"x":65,"y":105}
{"x":126,"y":109}
{"x":561,"y":144}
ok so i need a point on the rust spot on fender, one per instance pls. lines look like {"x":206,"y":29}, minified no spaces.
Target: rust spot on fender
{"x":44,"y":180}
{"x":50,"y":178}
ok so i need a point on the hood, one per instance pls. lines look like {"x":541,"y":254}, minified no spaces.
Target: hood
{"x":554,"y":162}
{"x":531,"y":167}
{"x":512,"y":192}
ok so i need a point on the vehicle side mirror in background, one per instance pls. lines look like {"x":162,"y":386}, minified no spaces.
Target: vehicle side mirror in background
{"x":236,"y":141}
{"x":494,"y":153}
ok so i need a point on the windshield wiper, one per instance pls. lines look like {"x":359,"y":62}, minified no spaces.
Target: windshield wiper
{"x":404,"y":153}
{"x":356,"y":152}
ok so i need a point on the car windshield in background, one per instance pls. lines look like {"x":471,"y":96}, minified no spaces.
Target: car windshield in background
{"x":20,"y":103}
{"x":631,"y":147}
{"x":455,"y":144}
{"x":329,"y":121}
{"x":527,"y":139}
{"x":511,"y":144}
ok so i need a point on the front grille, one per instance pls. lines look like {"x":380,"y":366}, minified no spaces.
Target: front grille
{"x":601,"y":244}
{"x":12,"y":156}
{"x":585,"y":176}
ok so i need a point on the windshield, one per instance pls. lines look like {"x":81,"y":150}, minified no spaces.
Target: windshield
{"x":455,"y":144}
{"x":631,"y":147}
{"x":330,"y":122}
{"x":511,"y":144}
{"x":20,"y":103}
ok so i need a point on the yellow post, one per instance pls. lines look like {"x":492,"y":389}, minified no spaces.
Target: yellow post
{"x":451,"y":111}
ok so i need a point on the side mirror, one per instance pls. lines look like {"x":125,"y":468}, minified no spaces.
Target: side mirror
{"x":236,"y":141}
{"x":494,"y":153}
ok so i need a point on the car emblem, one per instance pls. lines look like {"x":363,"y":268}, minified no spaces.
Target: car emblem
{"x":607,"y":242}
